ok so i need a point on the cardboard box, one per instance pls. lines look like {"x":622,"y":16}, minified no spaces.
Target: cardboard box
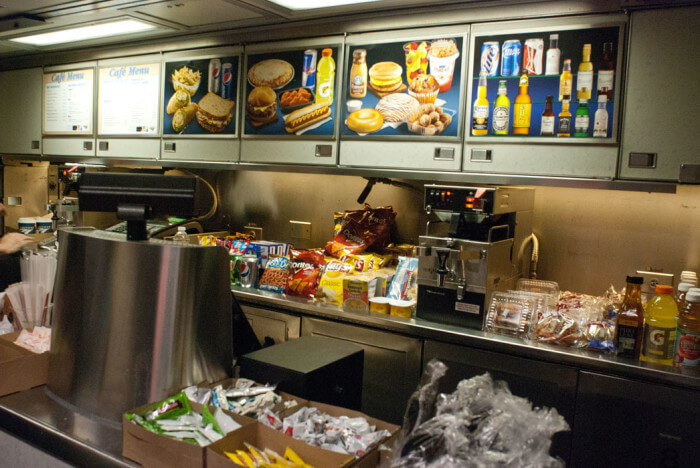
{"x":279,"y":407}
{"x":153,"y":450}
{"x":263,"y":437}
{"x":20,"y":368}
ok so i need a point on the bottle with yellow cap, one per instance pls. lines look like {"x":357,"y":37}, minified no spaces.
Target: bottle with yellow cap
{"x":660,"y":320}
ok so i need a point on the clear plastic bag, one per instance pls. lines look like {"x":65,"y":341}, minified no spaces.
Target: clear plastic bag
{"x":480,"y":424}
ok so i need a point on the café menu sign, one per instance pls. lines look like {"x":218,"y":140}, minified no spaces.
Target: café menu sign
{"x":128,"y":99}
{"x":68,"y":98}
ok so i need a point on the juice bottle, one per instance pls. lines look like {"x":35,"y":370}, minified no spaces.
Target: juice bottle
{"x":325,"y":77}
{"x":660,"y":327}
{"x":687,"y":347}
{"x":630,"y":319}
{"x":682,"y":290}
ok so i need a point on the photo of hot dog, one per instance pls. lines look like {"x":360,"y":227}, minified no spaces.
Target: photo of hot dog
{"x":307,"y":116}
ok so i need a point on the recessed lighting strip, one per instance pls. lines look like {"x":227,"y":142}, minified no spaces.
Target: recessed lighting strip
{"x":82,"y":33}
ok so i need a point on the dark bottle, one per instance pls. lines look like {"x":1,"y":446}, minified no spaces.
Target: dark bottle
{"x":606,"y":72}
{"x":630,"y":319}
{"x":548,"y":118}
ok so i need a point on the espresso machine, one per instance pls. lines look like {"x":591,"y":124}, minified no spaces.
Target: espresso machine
{"x":481,"y":250}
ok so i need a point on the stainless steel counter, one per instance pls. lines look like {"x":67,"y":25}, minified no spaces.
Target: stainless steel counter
{"x":420,"y":328}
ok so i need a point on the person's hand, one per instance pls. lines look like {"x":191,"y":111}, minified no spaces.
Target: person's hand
{"x":13,"y":241}
{"x":3,"y":210}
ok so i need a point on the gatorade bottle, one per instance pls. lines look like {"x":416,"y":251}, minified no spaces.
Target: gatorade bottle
{"x":687,"y":346}
{"x":660,"y":327}
{"x":325,"y":77}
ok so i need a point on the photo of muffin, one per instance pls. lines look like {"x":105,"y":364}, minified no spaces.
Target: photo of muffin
{"x":424,"y":88}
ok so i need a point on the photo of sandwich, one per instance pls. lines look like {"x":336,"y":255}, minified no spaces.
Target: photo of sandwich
{"x":214,"y":113}
{"x":386,"y":78}
{"x":261,"y":108}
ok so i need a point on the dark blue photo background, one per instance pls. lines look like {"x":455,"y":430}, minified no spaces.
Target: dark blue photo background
{"x":394,"y":52}
{"x":296,"y":60}
{"x":571,"y":46}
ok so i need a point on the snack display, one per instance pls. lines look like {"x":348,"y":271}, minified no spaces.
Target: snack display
{"x":307,"y":116}
{"x":273,"y":73}
{"x":429,"y":120}
{"x":294,"y":99}
{"x":365,"y":121}
{"x":424,"y":88}
{"x":330,"y":288}
{"x":262,"y":106}
{"x":396,"y":107}
{"x":385,"y":78}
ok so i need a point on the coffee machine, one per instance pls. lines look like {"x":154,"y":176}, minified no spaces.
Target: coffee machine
{"x":485,"y":231}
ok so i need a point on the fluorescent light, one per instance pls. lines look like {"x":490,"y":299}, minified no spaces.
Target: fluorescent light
{"x":311,"y":4}
{"x":113,"y":28}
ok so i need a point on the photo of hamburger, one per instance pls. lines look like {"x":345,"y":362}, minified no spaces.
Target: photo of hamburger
{"x":213,"y":113}
{"x":262,"y":107}
{"x":385,"y":78}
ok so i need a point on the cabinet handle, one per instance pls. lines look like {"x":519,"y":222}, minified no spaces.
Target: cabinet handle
{"x":642,"y":160}
{"x":35,"y":144}
{"x":103,"y":145}
{"x":324,"y":151}
{"x":689,"y":174}
{"x":169,"y":146}
{"x":444,"y":154}
{"x":87,"y":145}
{"x":480,"y":155}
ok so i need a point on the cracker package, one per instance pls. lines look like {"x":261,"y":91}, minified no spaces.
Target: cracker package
{"x":274,"y":278}
{"x":305,"y":267}
{"x":330,"y":288}
{"x":360,"y":230}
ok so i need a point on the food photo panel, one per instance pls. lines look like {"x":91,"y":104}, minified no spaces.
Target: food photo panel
{"x":404,"y":88}
{"x":291,"y":92}
{"x":199,"y":96}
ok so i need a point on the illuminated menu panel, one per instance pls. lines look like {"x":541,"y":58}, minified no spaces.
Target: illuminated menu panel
{"x":128,"y":99}
{"x":68,"y":98}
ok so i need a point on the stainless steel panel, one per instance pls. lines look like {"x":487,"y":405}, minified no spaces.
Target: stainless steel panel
{"x":400,"y":154}
{"x":20,"y":124}
{"x":653,"y":425}
{"x":135,"y":321}
{"x":137,"y":148}
{"x":287,"y":151}
{"x":659,"y":96}
{"x":272,"y":325}
{"x":391,"y":365}
{"x":543,"y":383}
{"x":202,"y":149}
{"x":69,"y":146}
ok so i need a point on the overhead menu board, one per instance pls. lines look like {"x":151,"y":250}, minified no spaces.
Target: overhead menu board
{"x":409,"y":88}
{"x":292,"y":92}
{"x":68,"y":98}
{"x":128,"y":99}
{"x":199,"y":96}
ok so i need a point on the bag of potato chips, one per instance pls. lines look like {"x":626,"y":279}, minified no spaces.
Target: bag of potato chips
{"x":330,"y":288}
{"x":305,"y":268}
{"x":360,"y":230}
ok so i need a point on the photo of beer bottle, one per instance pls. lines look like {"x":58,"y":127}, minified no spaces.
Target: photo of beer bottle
{"x":584,"y":77}
{"x":501,"y":110}
{"x":480,"y":110}
{"x":565,"y":81}
{"x":522,"y":109}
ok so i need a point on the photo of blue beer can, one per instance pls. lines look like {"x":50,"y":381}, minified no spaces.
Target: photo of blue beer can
{"x":227,"y":81}
{"x":490,"y":58}
{"x":308,"y":75}
{"x":510,"y":58}
{"x":249,"y":271}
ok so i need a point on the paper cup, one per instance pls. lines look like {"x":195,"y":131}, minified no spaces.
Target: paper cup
{"x":43,"y":225}
{"x":402,"y":308}
{"x":26,"y":225}
{"x":442,"y":68}
{"x":379,"y":305}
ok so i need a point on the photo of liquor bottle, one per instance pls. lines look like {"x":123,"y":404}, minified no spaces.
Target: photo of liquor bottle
{"x":583,"y":119}
{"x":501,"y":110}
{"x":606,"y":72}
{"x":600,"y":119}
{"x":522,"y":109}
{"x":564,"y":120}
{"x":547,"y":125}
{"x":565,"y":81}
{"x":584,"y":76}
{"x":553,"y":56}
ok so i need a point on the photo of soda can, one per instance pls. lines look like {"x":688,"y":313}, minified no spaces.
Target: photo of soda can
{"x":490,"y":58}
{"x":532,"y":56}
{"x":308,"y":75}
{"x":510,"y":58}
{"x":249,"y":271}
{"x":214,"y":77}
{"x":227,"y":81}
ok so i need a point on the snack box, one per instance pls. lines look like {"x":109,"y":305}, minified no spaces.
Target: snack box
{"x":154,"y":450}
{"x":20,"y":368}
{"x":357,"y":291}
{"x":371,"y":458}
{"x":262,"y":437}
{"x":228,"y":383}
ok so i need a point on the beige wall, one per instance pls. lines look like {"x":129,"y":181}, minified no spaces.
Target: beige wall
{"x":588,"y":238}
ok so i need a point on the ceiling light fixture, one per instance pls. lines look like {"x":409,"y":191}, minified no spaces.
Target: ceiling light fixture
{"x":311,"y":4}
{"x":95,"y":31}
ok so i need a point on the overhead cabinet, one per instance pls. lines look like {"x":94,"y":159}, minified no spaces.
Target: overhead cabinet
{"x":290,"y":102}
{"x":68,"y":112}
{"x":128,"y":105}
{"x":20,"y":125}
{"x":402,"y":99}
{"x":199,"y":107}
{"x":659,"y":133}
{"x":544,"y":97}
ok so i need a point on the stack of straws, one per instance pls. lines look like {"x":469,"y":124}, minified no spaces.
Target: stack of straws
{"x":31,"y":298}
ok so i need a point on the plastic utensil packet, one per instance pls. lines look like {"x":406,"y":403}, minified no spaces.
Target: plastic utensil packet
{"x":270,"y":419}
{"x":218,"y":397}
{"x":198,"y":395}
{"x":170,"y":408}
{"x":249,"y":391}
